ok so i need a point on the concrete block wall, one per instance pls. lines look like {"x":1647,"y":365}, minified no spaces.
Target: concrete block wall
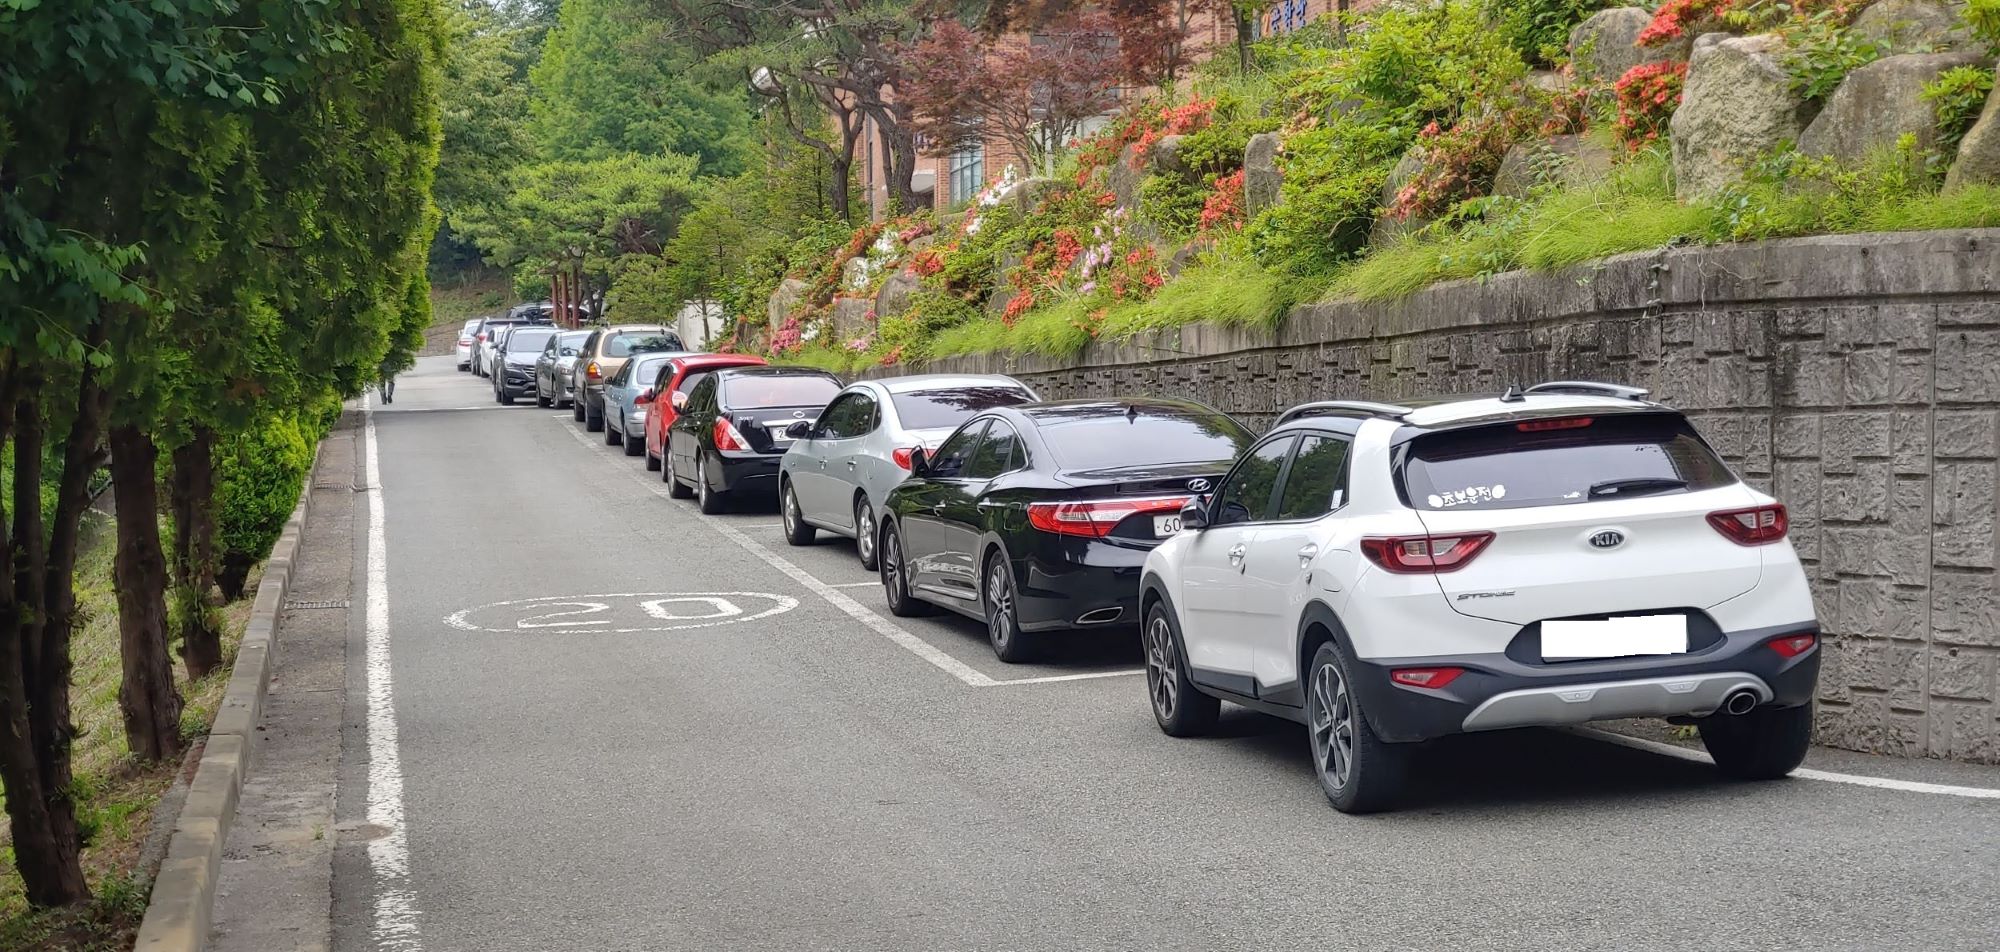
{"x":1855,"y":377}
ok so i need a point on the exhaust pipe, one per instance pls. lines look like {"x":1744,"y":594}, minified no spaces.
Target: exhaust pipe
{"x":1100,"y":616}
{"x":1740,"y":701}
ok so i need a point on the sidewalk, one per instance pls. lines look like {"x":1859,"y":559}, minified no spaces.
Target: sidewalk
{"x":275,"y":890}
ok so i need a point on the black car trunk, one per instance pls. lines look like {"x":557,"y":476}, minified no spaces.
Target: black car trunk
{"x":764,"y":427}
{"x":1155,"y":492}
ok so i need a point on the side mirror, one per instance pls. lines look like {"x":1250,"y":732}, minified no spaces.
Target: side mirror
{"x":647,"y":395}
{"x":680,"y":399}
{"x":799,"y":430}
{"x":920,"y":462}
{"x":1194,"y":515}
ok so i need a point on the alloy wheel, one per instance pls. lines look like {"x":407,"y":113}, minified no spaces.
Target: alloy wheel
{"x":892,"y":566}
{"x":1331,"y":717}
{"x":791,"y":510}
{"x":1163,"y":669}
{"x":864,"y":530}
{"x":999,"y":605}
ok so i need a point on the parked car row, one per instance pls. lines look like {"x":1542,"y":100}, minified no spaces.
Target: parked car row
{"x":1383,"y":574}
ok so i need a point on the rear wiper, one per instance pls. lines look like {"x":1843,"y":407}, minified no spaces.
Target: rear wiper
{"x":1636,"y":486}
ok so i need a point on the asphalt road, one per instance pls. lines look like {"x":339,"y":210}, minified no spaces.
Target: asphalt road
{"x":803,"y":772}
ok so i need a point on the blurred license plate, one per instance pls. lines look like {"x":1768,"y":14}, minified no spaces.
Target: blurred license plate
{"x":1164,"y":526}
{"x":1615,"y":637}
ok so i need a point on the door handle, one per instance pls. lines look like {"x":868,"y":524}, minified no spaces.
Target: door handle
{"x":850,"y":464}
{"x":1307,"y":554}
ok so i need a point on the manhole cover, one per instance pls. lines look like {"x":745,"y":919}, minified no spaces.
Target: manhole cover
{"x":305,"y":605}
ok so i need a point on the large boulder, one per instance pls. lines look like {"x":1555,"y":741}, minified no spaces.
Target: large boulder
{"x":1737,"y":106}
{"x":1559,"y":160}
{"x":1388,"y":228}
{"x":1166,"y":157}
{"x":1605,"y":46}
{"x":851,"y":317}
{"x":1124,"y":178}
{"x":1262,"y":182}
{"x":894,"y":298}
{"x":1908,"y":26}
{"x":1877,"y":104}
{"x":1979,"y":152}
{"x":786,"y":298}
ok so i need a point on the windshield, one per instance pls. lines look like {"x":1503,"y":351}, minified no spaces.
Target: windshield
{"x":946,"y":408}
{"x":633,"y":342}
{"x":1104,"y":436}
{"x":640,"y":373}
{"x":1577,"y":459}
{"x":527,"y":339}
{"x":569,"y":341}
{"x":778,"y":390}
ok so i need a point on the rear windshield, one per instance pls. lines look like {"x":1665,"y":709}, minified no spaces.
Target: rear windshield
{"x":772,"y":390}
{"x":1617,"y":457}
{"x":625,"y":345}
{"x":1100,"y":437}
{"x":641,"y":373}
{"x":529,"y":338}
{"x":940,"y":409}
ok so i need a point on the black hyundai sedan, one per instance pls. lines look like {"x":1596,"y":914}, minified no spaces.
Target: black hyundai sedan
{"x":729,"y":435}
{"x":1038,"y":517}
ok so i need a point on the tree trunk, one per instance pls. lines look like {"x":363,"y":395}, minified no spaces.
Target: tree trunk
{"x":146,"y":695}
{"x":901,"y":146}
{"x":1243,"y":28}
{"x":193,"y":501}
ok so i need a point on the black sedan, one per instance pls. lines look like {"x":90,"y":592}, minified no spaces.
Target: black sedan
{"x":1039,"y":517}
{"x":729,"y":435}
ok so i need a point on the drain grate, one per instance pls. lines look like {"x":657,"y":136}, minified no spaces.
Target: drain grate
{"x":304,"y":605}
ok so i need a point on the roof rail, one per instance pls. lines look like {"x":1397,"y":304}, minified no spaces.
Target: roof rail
{"x":1351,"y":408}
{"x":1590,"y":388}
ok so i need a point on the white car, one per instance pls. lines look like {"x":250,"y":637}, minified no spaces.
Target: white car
{"x":1569,"y":553}
{"x":464,"y":348}
{"x":842,"y":465}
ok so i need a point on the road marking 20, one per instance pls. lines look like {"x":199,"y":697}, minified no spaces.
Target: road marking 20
{"x":620,"y":612}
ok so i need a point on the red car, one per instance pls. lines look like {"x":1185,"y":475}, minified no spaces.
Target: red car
{"x":677,"y":378}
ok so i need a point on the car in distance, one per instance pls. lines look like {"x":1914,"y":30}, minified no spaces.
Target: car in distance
{"x":628,"y":395}
{"x":670,"y":390}
{"x":514,"y":363}
{"x":552,"y":369}
{"x":1386,"y":574}
{"x":841,"y":466}
{"x":729,"y":436}
{"x":463,"y":349}
{"x":1038,"y":518}
{"x":601,"y":355}
{"x":484,"y":336}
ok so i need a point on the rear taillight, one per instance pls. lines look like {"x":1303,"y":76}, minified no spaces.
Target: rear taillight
{"x":1431,"y":678}
{"x":592,"y":371}
{"x":1759,"y":525}
{"x":1566,"y":423}
{"x":1095,"y":519}
{"x":1791,"y":646}
{"x":482,"y":336}
{"x":726,"y":436}
{"x":1410,"y":555}
{"x":902,"y":456}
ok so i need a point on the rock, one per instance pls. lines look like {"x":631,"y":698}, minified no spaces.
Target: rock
{"x":1166,"y":157}
{"x":1605,"y":46}
{"x":856,"y":273}
{"x":850,"y":318}
{"x":1547,"y":80}
{"x":1566,"y":160}
{"x":1388,"y":229}
{"x":1262,"y":182}
{"x":1178,"y":258}
{"x":1906,"y":26}
{"x":1979,"y":152}
{"x":1124,"y":179}
{"x":996,"y":305}
{"x":1030,"y":192}
{"x":1877,"y":104}
{"x":894,"y":298}
{"x":786,"y":298}
{"x":1737,"y":106}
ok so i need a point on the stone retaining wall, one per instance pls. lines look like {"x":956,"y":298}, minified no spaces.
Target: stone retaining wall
{"x":1856,"y":377}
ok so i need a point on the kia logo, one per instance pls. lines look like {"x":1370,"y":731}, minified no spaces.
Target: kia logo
{"x":1607,"y":539}
{"x":1197,"y":485}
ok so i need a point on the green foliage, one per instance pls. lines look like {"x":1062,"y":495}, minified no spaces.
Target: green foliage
{"x":1173,"y":203}
{"x":1982,"y":17}
{"x":1956,"y":97}
{"x":1539,"y":29}
{"x":259,"y":473}
{"x":1821,"y":51}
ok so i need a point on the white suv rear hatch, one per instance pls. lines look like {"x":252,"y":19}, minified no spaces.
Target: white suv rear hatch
{"x":1588,"y":516}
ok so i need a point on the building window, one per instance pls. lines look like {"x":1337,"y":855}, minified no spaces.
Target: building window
{"x":968,"y":174}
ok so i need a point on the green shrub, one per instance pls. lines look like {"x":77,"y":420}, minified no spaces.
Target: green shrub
{"x":1982,"y":17}
{"x":259,"y":473}
{"x":1822,"y":51}
{"x":1956,"y":97}
{"x":1539,"y":29}
{"x":1172,"y":203}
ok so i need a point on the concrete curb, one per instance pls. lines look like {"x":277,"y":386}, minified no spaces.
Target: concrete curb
{"x":183,"y":898}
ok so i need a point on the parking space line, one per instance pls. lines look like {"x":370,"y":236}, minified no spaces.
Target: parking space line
{"x":395,"y":914}
{"x":1803,"y":773}
{"x":852,"y":584}
{"x":832,"y":594}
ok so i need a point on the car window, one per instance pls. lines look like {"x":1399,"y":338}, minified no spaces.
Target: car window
{"x":1102,"y":436}
{"x":950,"y":406}
{"x":850,"y":416}
{"x":1246,"y":492}
{"x":1317,"y":481}
{"x":529,"y":338}
{"x":756,"y":391}
{"x":1560,"y":462}
{"x":618,"y":379}
{"x":693,"y":380}
{"x":636,"y":371}
{"x":993,"y":455}
{"x":701,"y":397}
{"x":952,"y":456}
{"x":635,"y":342}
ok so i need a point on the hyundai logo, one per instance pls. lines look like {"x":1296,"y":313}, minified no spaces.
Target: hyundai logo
{"x":798,"y":414}
{"x":1607,"y":539}
{"x":1197,"y":485}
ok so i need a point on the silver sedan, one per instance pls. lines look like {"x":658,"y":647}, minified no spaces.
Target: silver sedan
{"x":841,"y":466}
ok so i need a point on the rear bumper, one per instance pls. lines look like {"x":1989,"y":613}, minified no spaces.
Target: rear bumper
{"x":1498,"y":692}
{"x":748,"y":475}
{"x":1075,"y":583}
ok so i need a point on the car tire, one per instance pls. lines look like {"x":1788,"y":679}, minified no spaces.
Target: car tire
{"x":865,"y":533}
{"x":508,"y":396}
{"x":1179,"y":707}
{"x":1002,"y":604}
{"x":652,"y":463}
{"x":675,"y":488}
{"x":797,"y":530}
{"x":540,"y":400}
{"x":576,"y":410}
{"x":711,"y":502}
{"x":1765,"y":744}
{"x":633,"y":446}
{"x":593,"y":422}
{"x":1368,"y":775}
{"x":895,"y":580}
{"x":613,"y":436}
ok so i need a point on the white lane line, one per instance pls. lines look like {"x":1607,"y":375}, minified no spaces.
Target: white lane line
{"x":833,"y":595}
{"x":1804,"y":773}
{"x":853,"y":584}
{"x":388,"y":853}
